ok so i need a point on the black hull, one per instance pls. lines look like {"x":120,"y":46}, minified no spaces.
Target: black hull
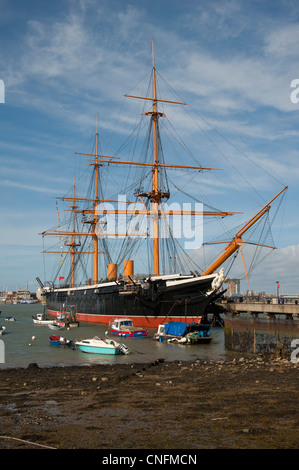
{"x":147,"y":304}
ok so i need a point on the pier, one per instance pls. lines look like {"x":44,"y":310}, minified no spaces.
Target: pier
{"x":269,"y":310}
{"x":261,"y":326}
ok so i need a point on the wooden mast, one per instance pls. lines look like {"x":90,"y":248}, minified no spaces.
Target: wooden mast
{"x":73,"y":244}
{"x":237,"y":241}
{"x":155,"y":195}
{"x":156,"y":198}
{"x":95,"y":237}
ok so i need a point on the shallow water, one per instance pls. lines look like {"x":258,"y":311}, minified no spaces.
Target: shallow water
{"x":20,"y":349}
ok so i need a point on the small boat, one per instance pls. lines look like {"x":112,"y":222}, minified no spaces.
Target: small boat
{"x":56,"y":325}
{"x":125,"y":327}
{"x":41,"y":319}
{"x":2,"y":330}
{"x":98,"y":345}
{"x":9,"y":319}
{"x":60,"y":341}
{"x":184,"y":333}
{"x":68,"y":319}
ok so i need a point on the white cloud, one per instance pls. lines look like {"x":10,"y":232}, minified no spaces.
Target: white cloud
{"x":281,"y":265}
{"x":283,"y":42}
{"x":67,"y":66}
{"x":29,"y":187}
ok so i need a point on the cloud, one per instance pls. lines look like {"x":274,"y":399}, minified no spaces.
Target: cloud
{"x":56,"y":49}
{"x":227,"y":58}
{"x":29,"y":187}
{"x":283,"y":42}
{"x":281,"y":265}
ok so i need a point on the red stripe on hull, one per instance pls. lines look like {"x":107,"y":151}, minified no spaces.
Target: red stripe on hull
{"x":144,"y":322}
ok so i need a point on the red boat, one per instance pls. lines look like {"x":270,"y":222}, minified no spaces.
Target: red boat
{"x":125,"y":327}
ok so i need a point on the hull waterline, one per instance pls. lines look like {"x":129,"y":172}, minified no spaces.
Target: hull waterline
{"x":148,"y":306}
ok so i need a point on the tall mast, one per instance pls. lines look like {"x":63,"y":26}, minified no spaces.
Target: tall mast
{"x":73,"y":243}
{"x":73,"y":237}
{"x":155,"y":185}
{"x":95,"y":237}
{"x":155,"y":195}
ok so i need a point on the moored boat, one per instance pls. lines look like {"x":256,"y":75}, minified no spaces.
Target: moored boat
{"x":56,"y":325}
{"x":2,"y":330}
{"x":41,"y":319}
{"x":124,"y":327}
{"x":184,"y":332}
{"x":10,"y":319}
{"x":98,"y":345}
{"x":60,"y":341}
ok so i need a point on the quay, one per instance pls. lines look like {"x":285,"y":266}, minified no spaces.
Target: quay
{"x":270,"y":310}
{"x":261,"y":327}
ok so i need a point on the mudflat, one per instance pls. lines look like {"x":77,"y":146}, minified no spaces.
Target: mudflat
{"x":245,"y":403}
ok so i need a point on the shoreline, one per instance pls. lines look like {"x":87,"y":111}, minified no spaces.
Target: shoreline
{"x":244,"y":403}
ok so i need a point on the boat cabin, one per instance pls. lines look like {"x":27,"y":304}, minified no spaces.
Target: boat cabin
{"x":120,"y":323}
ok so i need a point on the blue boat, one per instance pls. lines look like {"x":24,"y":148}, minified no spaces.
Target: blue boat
{"x":184,"y":332}
{"x":60,"y":341}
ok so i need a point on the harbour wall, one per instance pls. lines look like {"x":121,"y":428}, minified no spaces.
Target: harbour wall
{"x":261,"y":327}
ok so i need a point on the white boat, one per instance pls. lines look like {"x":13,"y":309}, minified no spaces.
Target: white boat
{"x":56,"y":325}
{"x":9,"y":319}
{"x":98,"y":345}
{"x":41,"y":319}
{"x":125,"y":327}
{"x":2,"y":330}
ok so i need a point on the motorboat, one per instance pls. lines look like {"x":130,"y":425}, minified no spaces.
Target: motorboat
{"x":60,"y":341}
{"x":41,"y":319}
{"x":98,"y":345}
{"x":125,"y":327}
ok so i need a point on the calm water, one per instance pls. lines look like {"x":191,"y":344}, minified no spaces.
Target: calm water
{"x":21,"y":350}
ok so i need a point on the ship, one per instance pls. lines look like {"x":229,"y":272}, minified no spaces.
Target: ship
{"x":153,"y":298}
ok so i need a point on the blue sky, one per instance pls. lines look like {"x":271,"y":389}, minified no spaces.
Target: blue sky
{"x":64,"y":61}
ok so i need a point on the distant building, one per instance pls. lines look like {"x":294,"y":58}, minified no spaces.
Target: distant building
{"x":234,"y":286}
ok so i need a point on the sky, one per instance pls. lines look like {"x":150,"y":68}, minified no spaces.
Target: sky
{"x":62,"y":62}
